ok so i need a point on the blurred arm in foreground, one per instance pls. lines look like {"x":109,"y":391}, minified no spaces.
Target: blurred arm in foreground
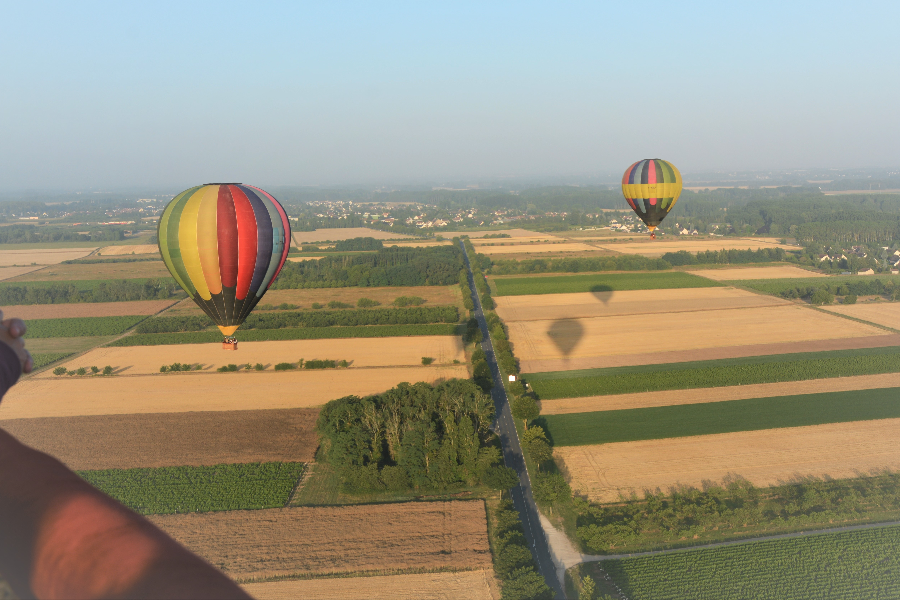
{"x":61,"y":538}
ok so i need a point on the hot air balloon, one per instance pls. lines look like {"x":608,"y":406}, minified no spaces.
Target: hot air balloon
{"x":225,"y":244}
{"x":652,"y":187}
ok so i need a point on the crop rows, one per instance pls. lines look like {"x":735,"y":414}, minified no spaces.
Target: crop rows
{"x":298,"y":333}
{"x":520,"y":286}
{"x":660,"y":422}
{"x":718,"y":373}
{"x":850,"y":565}
{"x":42,"y":359}
{"x":199,"y":489}
{"x":81,"y":326}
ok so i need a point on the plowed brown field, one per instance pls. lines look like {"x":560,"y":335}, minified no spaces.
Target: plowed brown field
{"x":359,"y":352}
{"x":765,"y":457}
{"x":882,"y":313}
{"x":76,"y":396}
{"x":637,"y":334}
{"x":719,"y":394}
{"x":41,"y":256}
{"x":86,"y":309}
{"x":472,"y":585}
{"x":291,"y":541}
{"x":175,"y":439}
{"x":756,"y":273}
{"x":334,"y":235}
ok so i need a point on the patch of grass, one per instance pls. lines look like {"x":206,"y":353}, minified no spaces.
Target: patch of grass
{"x":44,"y":359}
{"x":520,"y":286}
{"x":68,"y":345}
{"x":660,"y":422}
{"x":199,"y":489}
{"x":715,"y":373}
{"x":81,"y":326}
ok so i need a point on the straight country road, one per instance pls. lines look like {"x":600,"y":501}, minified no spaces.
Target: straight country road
{"x":512,"y":453}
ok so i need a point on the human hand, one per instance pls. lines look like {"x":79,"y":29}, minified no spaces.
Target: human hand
{"x":11,"y":332}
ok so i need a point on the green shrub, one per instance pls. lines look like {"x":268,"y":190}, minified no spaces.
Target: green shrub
{"x":317,"y":305}
{"x":321,"y":364}
{"x":821,"y":297}
{"x":284,"y":366}
{"x":59,"y":371}
{"x":427,"y":360}
{"x":850,"y":299}
{"x":107,"y":370}
{"x":338,"y":304}
{"x":366,"y":303}
{"x":95,"y":370}
{"x":259,"y":367}
{"x":404,"y":301}
{"x":227,"y":368}
{"x":164,"y":369}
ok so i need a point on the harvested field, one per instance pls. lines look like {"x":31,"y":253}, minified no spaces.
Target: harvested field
{"x":765,"y":457}
{"x":786,"y":272}
{"x":419,"y":244}
{"x":302,"y":258}
{"x":41,"y":256}
{"x":513,"y":233}
{"x":474,"y":585}
{"x":518,"y":240}
{"x":104,"y":270}
{"x":656,"y":248}
{"x":635,"y":334}
{"x":335,"y":235}
{"x":630,"y":302}
{"x":87,"y":309}
{"x":75,"y":396}
{"x":341,"y":539}
{"x":434,"y":295}
{"x":171,"y":440}
{"x":564,"y":248}
{"x":359,"y":352}
{"x":882,"y":313}
{"x":132,"y":249}
{"x":675,"y":356}
{"x":10,"y":272}
{"x":719,"y":394}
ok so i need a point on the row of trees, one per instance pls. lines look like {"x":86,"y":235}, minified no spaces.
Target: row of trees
{"x":359,"y":244}
{"x":725,"y":257}
{"x":30,"y":234}
{"x":105,"y":291}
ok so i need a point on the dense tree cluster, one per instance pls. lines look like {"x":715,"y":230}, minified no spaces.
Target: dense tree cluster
{"x":359,"y":244}
{"x":624,"y":262}
{"x":725,"y":257}
{"x":412,"y":436}
{"x":30,"y":234}
{"x":388,"y":267}
{"x":513,"y":562}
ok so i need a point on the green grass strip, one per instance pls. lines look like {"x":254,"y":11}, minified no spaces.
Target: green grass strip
{"x":199,"y":489}
{"x":520,"y":286}
{"x":715,"y":373}
{"x":658,"y":422}
{"x":297,"y":333}
{"x":81,"y":326}
{"x":42,"y":359}
{"x":851,"y":565}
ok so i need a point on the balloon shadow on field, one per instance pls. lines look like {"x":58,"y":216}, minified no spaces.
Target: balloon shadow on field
{"x":566,"y":334}
{"x":603,"y":293}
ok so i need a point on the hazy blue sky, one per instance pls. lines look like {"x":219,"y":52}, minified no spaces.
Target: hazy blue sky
{"x":138,"y":93}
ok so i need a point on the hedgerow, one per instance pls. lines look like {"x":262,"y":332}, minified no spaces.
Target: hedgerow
{"x":68,"y":292}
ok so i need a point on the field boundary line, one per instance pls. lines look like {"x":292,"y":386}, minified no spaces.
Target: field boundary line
{"x":301,"y":481}
{"x":858,"y":320}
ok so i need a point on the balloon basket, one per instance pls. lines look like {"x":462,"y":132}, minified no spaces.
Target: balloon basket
{"x":652,"y":235}
{"x":229,"y":344}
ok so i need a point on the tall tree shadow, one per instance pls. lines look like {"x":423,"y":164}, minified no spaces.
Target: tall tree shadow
{"x":566,"y":335}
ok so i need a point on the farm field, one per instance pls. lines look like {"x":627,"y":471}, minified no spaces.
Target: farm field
{"x":657,"y":248}
{"x":81,"y":326}
{"x":168,"y":490}
{"x":473,"y":585}
{"x":88,"y":309}
{"x":779,"y":272}
{"x":434,"y":295}
{"x":490,"y":250}
{"x":513,"y":233}
{"x":360,"y":352}
{"x":881,"y":313}
{"x":76,"y":396}
{"x":777,"y":286}
{"x":336,"y":235}
{"x":587,"y":404}
{"x":630,"y":302}
{"x":343,"y":539}
{"x":716,"y":373}
{"x":419,"y":244}
{"x":41,"y":256}
{"x":852,"y":565}
{"x":535,"y":343}
{"x":606,"y":282}
{"x":687,"y":420}
{"x":68,"y":345}
{"x":153,"y":269}
{"x":171,"y":440}
{"x":10,"y":272}
{"x":766,"y":457}
{"x":119,"y":250}
{"x":302,"y":258}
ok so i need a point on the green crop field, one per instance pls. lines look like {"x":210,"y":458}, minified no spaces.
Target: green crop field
{"x":45,"y":358}
{"x":297,"y":333}
{"x":82,"y":285}
{"x":81,"y":326}
{"x":852,"y":565}
{"x":199,"y":489}
{"x":659,"y":422}
{"x":520,"y":286}
{"x":715,"y":373}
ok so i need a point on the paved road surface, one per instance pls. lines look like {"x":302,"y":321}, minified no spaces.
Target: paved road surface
{"x":512,"y":455}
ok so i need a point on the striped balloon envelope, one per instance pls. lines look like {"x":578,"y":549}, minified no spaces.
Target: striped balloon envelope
{"x":652,"y":187}
{"x":225,"y":244}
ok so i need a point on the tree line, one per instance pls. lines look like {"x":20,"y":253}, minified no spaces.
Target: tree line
{"x":105,"y":291}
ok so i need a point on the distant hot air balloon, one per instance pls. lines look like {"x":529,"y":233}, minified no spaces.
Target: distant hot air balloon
{"x":224,"y":243}
{"x":652,"y":187}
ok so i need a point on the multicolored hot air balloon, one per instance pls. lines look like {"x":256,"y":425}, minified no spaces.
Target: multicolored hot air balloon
{"x":225,"y":244}
{"x":652,"y":187}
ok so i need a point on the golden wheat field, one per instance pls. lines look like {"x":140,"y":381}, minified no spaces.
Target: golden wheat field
{"x":720,"y":394}
{"x":633,"y":302}
{"x":472,"y":585}
{"x":656,"y":248}
{"x":336,"y":235}
{"x":513,"y":233}
{"x":786,"y":272}
{"x":580,"y":340}
{"x":550,"y":248}
{"x":87,"y":309}
{"x":10,"y":272}
{"x":764,"y":457}
{"x":882,"y":313}
{"x":41,"y":256}
{"x":132,"y":249}
{"x":103,"y":270}
{"x":337,"y":539}
{"x":66,"y":396}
